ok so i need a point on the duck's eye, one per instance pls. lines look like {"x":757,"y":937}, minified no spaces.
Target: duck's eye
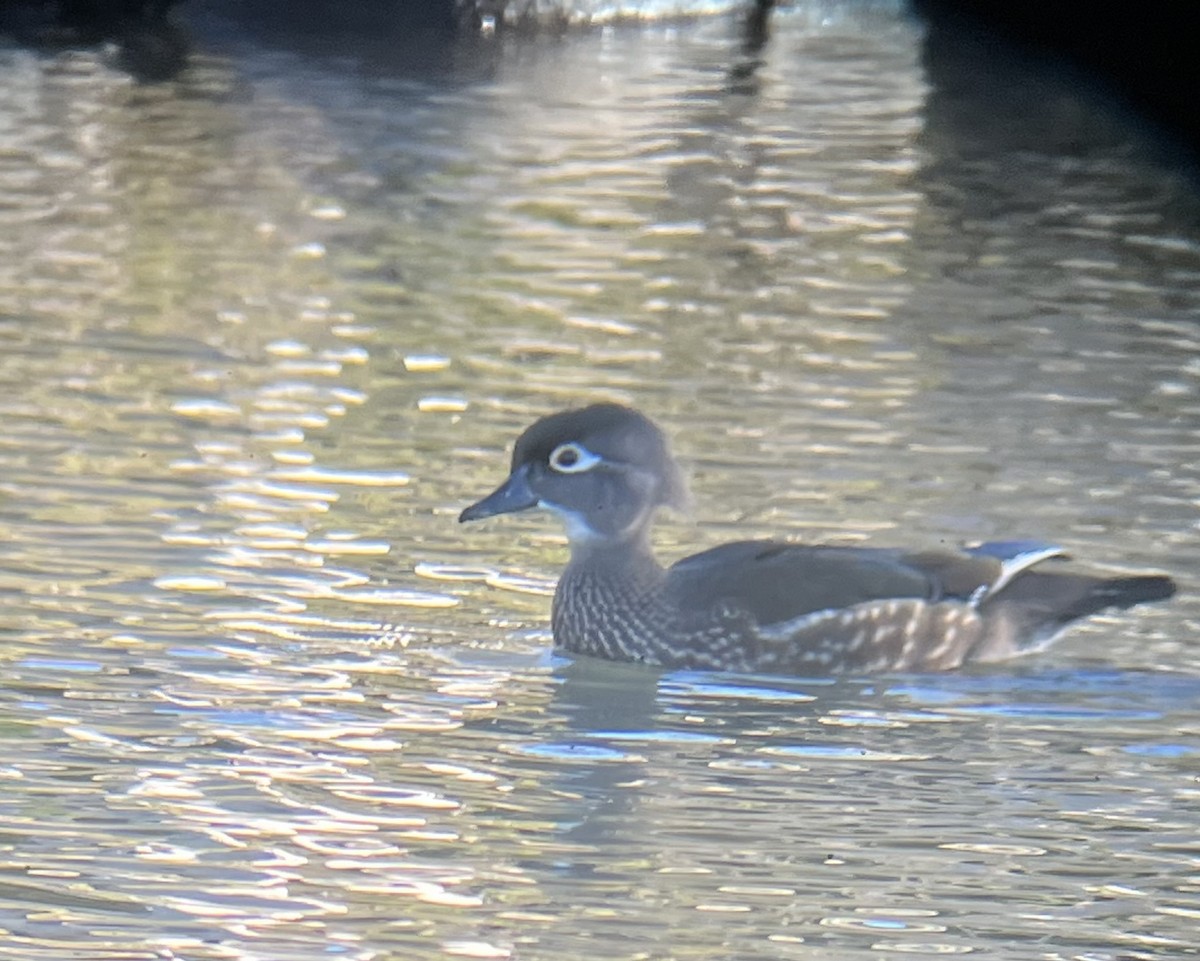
{"x":572,"y":458}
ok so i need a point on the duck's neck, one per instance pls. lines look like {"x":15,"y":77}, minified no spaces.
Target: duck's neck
{"x":609,"y":602}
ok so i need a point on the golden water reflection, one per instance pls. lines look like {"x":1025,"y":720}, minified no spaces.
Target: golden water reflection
{"x":268,"y":327}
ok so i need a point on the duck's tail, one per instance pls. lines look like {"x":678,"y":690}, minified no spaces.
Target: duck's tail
{"x":1038,"y":605}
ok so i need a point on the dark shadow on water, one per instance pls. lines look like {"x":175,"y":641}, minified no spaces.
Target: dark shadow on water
{"x":149,"y":44}
{"x":748,"y":62}
{"x":598,"y":699}
{"x":154,"y":39}
{"x":1139,"y":56}
{"x":594,"y":695}
{"x":989,"y":96}
{"x":420,"y":41}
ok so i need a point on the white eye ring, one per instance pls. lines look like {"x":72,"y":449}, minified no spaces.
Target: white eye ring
{"x":572,"y":458}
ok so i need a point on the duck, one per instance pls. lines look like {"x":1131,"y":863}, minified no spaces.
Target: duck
{"x":773,"y":606}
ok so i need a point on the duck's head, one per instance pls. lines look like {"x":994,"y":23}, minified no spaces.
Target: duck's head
{"x":603,"y":469}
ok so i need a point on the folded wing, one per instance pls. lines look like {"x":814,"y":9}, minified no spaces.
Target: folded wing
{"x":777,"y":581}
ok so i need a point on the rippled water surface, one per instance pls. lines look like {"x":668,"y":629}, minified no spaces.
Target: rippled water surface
{"x":268,"y":326}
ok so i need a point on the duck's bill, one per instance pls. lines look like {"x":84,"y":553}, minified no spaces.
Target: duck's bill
{"x":511,"y":496}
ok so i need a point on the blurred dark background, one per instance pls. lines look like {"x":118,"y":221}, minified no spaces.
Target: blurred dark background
{"x":1144,"y":55}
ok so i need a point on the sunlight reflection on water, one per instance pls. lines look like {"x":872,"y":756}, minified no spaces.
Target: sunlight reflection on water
{"x":270,"y":326}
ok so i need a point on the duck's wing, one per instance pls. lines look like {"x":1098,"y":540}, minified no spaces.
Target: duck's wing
{"x":775,"y":581}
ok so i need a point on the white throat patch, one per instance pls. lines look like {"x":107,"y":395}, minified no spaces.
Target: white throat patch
{"x":578,"y":530}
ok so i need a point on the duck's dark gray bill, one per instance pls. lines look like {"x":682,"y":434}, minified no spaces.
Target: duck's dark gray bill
{"x":511,"y":496}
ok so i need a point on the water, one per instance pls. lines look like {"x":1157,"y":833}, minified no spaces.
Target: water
{"x":269,"y":326}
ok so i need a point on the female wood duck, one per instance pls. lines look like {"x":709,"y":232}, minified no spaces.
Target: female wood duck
{"x":771,"y":606}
